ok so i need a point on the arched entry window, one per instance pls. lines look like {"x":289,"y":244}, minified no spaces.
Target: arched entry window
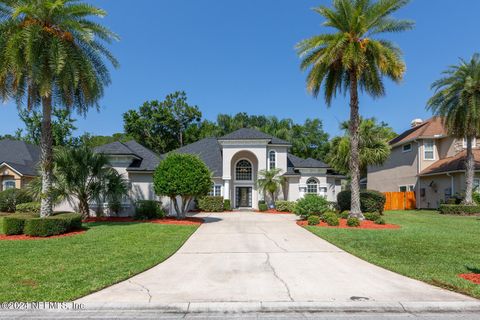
{"x":272,"y":159}
{"x":312,"y":186}
{"x":243,"y":170}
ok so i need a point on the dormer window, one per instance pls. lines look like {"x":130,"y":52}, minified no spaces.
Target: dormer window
{"x":407,"y":147}
{"x":474,"y":143}
{"x":272,"y":159}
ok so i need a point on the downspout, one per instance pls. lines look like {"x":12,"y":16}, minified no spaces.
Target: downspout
{"x":417,"y":189}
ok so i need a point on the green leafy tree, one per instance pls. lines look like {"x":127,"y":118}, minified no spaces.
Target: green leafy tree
{"x":351,"y":58}
{"x":161,"y":125}
{"x":93,"y":141}
{"x":51,"y":53}
{"x":182,"y":176}
{"x":84,"y":176}
{"x":457,"y":101}
{"x":270,"y":182}
{"x":63,"y":126}
{"x":373,"y":145}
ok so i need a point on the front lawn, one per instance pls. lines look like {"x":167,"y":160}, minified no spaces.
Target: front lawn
{"x":429,"y":247}
{"x":67,"y":268}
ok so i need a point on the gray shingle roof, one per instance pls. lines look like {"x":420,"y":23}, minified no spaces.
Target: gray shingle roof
{"x":147,"y":160}
{"x":23,"y":157}
{"x":209,"y":150}
{"x":252,"y":134}
{"x":298,"y":162}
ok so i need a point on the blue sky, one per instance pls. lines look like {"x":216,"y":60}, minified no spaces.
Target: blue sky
{"x":232,"y":56}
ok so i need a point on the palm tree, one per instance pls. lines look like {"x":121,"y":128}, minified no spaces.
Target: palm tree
{"x":457,"y":101}
{"x":351,"y":59}
{"x":52,"y":54}
{"x":270,"y":181}
{"x":84,"y":176}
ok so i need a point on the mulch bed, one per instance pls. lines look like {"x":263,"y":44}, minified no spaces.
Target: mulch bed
{"x":25,"y":237}
{"x":273,"y":211}
{"x":472,"y":277}
{"x":366,"y":224}
{"x":186,"y":221}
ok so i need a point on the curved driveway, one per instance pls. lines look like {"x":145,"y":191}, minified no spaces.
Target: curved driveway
{"x":251,"y":257}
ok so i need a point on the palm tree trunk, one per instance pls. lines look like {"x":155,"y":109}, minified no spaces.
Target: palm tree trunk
{"x":469,"y":173}
{"x":83,"y":207}
{"x":46,"y":146}
{"x":355,"y":209}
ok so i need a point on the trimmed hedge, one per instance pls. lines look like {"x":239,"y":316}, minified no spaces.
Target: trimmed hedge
{"x":285,"y":206}
{"x":262,"y":207}
{"x":311,"y":204}
{"x":458,"y":209}
{"x":28,"y":207}
{"x":370,"y":200}
{"x":53,"y":225}
{"x":13,"y":225}
{"x":10,"y":198}
{"x":148,"y":209}
{"x":211,"y":204}
{"x":227,"y":205}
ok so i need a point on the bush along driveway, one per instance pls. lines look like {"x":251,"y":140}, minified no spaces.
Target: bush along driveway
{"x":63,"y":269}
{"x":429,"y":247}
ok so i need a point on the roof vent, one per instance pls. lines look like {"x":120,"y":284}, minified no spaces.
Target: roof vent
{"x":416,"y":122}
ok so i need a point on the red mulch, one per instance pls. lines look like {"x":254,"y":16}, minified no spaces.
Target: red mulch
{"x":366,"y":224}
{"x":186,"y":221}
{"x":472,"y":277}
{"x":25,"y":237}
{"x":273,"y":211}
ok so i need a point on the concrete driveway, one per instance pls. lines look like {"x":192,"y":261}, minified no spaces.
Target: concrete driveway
{"x":252,"y":257}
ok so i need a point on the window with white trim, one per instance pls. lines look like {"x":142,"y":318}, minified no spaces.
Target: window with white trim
{"x":9,"y":184}
{"x":409,"y":187}
{"x":474,"y":143}
{"x":216,"y":190}
{"x":428,"y":150}
{"x":243,"y":171}
{"x":312,"y":186}
{"x":407,"y":147}
{"x":272,"y":159}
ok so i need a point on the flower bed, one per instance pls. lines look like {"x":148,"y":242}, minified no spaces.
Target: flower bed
{"x":25,"y":237}
{"x":472,"y":277}
{"x":363,"y":225}
{"x":186,"y":221}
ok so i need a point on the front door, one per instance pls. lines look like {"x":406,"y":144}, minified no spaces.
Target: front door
{"x":244,"y":197}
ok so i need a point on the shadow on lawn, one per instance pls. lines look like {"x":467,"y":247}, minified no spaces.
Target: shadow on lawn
{"x":473,"y":269}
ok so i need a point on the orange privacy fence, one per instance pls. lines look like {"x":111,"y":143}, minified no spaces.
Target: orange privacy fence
{"x":400,"y":200}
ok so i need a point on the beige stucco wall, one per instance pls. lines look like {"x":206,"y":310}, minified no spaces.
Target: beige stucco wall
{"x":7,"y":174}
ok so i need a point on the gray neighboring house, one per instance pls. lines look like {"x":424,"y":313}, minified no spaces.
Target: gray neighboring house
{"x":18,"y":163}
{"x":235,"y":161}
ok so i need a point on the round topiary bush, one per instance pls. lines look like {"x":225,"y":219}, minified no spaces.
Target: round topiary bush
{"x":262,"y":207}
{"x":353,"y":222}
{"x":311,"y":204}
{"x":370,"y":201}
{"x":380,"y":220}
{"x":313,"y":220}
{"x":344,"y":214}
{"x":330,"y":218}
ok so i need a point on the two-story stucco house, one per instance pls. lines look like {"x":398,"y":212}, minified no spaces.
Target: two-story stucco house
{"x":426,"y":160}
{"x":235,"y":161}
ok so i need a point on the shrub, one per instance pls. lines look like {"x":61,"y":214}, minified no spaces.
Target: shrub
{"x":13,"y":225}
{"x":458,"y":209}
{"x":371,"y":216}
{"x":353,"y":222}
{"x":370,"y":201}
{"x":262,"y":207}
{"x":311,"y":204}
{"x":28,"y":207}
{"x":53,"y":225}
{"x":380,"y":220}
{"x":313,"y":220}
{"x":227,"y":205}
{"x":10,"y":198}
{"x":344,"y":214}
{"x":261,"y":202}
{"x":285,"y":206}
{"x":476,"y":197}
{"x":331,"y":219}
{"x":211,"y":204}
{"x":148,"y":209}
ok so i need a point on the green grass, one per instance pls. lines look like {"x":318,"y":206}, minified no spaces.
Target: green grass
{"x":429,"y":247}
{"x":67,"y":268}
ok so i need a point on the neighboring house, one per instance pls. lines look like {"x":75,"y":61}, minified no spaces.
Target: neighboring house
{"x":235,"y":161}
{"x":18,"y":163}
{"x":426,"y":160}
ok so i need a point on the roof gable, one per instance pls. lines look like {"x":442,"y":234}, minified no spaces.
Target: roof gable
{"x":432,"y":127}
{"x":20,"y":155}
{"x":209,"y":151}
{"x":146,"y":159}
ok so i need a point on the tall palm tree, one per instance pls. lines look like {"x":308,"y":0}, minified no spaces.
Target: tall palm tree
{"x":457,"y":101}
{"x":52,"y":54}
{"x":270,"y":181}
{"x":351,"y":58}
